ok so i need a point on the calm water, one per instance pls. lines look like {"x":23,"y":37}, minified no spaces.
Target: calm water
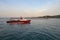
{"x":39,"y":29}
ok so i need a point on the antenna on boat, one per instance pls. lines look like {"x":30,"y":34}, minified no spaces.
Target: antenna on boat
{"x":21,"y":17}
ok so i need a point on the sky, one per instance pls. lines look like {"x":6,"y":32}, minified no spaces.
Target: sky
{"x":29,"y":8}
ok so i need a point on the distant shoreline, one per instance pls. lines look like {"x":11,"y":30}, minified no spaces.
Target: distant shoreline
{"x":55,"y":16}
{"x":45,"y":17}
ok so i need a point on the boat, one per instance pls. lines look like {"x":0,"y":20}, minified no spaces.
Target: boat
{"x":19,"y":21}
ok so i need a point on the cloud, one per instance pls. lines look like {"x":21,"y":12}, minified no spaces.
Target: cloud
{"x":10,"y":10}
{"x":52,"y":11}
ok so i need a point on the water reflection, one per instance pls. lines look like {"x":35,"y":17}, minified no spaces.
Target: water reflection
{"x":37,"y":30}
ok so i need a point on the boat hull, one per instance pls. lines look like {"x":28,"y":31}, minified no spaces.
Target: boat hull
{"x":20,"y":22}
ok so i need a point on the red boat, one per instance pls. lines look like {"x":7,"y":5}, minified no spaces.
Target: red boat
{"x":20,"y":21}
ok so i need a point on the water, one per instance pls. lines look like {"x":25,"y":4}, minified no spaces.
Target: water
{"x":39,"y":29}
